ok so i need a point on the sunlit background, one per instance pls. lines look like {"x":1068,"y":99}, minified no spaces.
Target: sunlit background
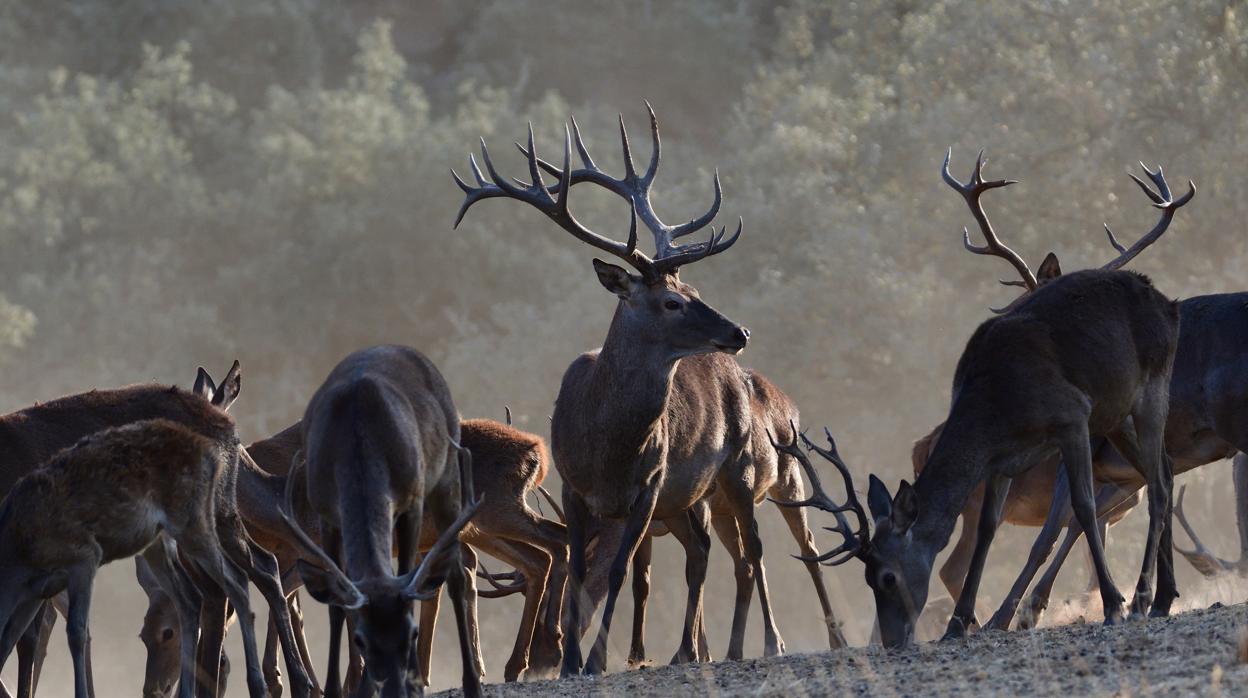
{"x":185,"y":183}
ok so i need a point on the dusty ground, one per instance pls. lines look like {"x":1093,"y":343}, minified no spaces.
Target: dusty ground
{"x":1196,"y":653}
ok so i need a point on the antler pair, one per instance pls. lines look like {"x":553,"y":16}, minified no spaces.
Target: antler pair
{"x":856,"y":542}
{"x":977,"y":185}
{"x":633,"y":187}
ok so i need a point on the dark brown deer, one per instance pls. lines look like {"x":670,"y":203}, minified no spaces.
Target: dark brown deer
{"x":107,"y":498}
{"x":1071,"y":360}
{"x":641,"y":427}
{"x":32,"y":435}
{"x":382,"y":444}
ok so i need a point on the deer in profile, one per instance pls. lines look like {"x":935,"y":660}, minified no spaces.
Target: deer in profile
{"x":643,"y":426}
{"x":109,"y":497}
{"x":382,"y":446}
{"x":30,"y":436}
{"x":1069,"y":361}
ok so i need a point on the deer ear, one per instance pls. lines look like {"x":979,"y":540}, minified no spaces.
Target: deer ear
{"x":204,"y":386}
{"x":879,"y":501}
{"x":905,"y":508}
{"x":329,"y":588}
{"x":1049,"y":269}
{"x":615,"y":279}
{"x":230,"y":387}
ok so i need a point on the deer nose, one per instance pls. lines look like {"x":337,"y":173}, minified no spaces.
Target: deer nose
{"x":744,"y":332}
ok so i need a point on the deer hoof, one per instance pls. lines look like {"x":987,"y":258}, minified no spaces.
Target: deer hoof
{"x":1113,"y":616}
{"x":958,"y":628}
{"x":596,"y":666}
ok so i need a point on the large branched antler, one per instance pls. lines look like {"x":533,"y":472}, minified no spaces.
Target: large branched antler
{"x":1162,"y":199}
{"x":971,"y":191}
{"x":633,"y":187}
{"x":1200,"y":557}
{"x":856,"y":542}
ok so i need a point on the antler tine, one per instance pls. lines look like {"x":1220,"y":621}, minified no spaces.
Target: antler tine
{"x":304,"y":541}
{"x":851,"y":497}
{"x":1163,"y":199}
{"x":635,"y":189}
{"x":543,"y":198}
{"x":971,"y":191}
{"x":500,"y":590}
{"x":701,"y":250}
{"x":855,"y":542}
{"x":1200,"y":557}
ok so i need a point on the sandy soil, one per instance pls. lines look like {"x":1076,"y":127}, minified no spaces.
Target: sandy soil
{"x":1195,"y":653}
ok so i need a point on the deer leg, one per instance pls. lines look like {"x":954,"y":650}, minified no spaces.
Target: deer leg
{"x":691,"y":530}
{"x":407,"y":539}
{"x":1239,"y":471}
{"x":789,"y":488}
{"x":20,"y":627}
{"x":1110,"y":500}
{"x":272,"y":672}
{"x":424,"y":640}
{"x":76,"y":626}
{"x":578,"y":601}
{"x":1143,"y":451}
{"x":445,"y":510}
{"x":730,"y":537}
{"x":546,"y":651}
{"x":32,"y":647}
{"x":534,"y":563}
{"x":262,"y":569}
{"x":635,"y":527}
{"x":641,"y":596}
{"x":212,"y":622}
{"x":1077,"y":458}
{"x":295,"y":608}
{"x":996,"y":489}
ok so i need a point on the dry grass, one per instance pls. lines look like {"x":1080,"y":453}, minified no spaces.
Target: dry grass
{"x":1195,"y":653}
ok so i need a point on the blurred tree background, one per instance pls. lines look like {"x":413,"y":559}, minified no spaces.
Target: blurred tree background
{"x":186,"y":182}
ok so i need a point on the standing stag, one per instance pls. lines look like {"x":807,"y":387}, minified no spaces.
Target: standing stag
{"x":1069,"y":361}
{"x":643,"y":426}
{"x":381,"y":442}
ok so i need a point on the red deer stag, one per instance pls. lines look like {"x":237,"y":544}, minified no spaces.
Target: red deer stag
{"x":31,"y":436}
{"x":110,"y":497}
{"x":1069,"y":361}
{"x":641,"y":427}
{"x":381,"y":444}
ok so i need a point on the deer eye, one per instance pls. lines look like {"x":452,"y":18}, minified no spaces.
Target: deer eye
{"x":888,"y":580}
{"x":167,"y":634}
{"x":671,"y":304}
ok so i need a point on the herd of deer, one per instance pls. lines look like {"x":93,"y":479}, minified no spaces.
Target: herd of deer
{"x":1087,"y":387}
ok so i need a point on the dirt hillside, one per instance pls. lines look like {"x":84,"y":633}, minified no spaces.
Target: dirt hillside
{"x":1195,"y":653}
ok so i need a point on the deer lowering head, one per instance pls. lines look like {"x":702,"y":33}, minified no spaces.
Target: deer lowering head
{"x":655,"y":306}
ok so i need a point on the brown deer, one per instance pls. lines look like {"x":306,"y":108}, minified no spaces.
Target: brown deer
{"x":1069,"y":361}
{"x":381,"y":443}
{"x":641,"y":427}
{"x":110,"y":497}
{"x":30,"y":436}
{"x":776,"y":476}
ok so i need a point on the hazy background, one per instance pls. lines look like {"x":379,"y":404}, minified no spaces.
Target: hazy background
{"x":187,"y":182}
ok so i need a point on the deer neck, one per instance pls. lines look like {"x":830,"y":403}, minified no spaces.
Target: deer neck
{"x":635,"y":378}
{"x":367,"y":524}
{"x":954,"y":470}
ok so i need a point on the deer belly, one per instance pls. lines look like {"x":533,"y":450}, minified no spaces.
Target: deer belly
{"x":128,"y":535}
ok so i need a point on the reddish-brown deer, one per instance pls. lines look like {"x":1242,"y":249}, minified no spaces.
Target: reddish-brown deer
{"x":641,"y":427}
{"x":110,"y":497}
{"x":1069,"y":361}
{"x":382,"y":444}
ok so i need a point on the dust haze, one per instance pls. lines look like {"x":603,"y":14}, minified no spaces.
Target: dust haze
{"x":188,"y":183}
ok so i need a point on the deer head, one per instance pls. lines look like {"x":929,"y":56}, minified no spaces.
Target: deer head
{"x":654,"y":304}
{"x":896,"y":573}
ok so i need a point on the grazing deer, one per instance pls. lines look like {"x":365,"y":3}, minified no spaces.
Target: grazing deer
{"x":1069,"y":361}
{"x":32,"y":435}
{"x":381,"y":443}
{"x":642,"y":426}
{"x":110,"y":497}
{"x":1208,"y":395}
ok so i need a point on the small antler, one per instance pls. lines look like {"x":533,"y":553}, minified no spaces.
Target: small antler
{"x":856,"y":542}
{"x":1201,"y":557}
{"x":634,"y":188}
{"x":1162,"y":199}
{"x":500,"y":590}
{"x":971,"y":191}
